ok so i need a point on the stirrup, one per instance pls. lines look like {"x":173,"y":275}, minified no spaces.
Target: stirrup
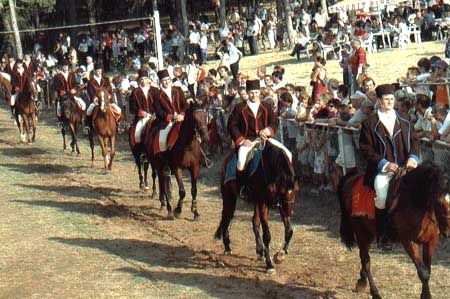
{"x":86,"y":130}
{"x":60,"y":125}
{"x":243,"y":192}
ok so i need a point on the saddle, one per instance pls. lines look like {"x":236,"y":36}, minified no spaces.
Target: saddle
{"x":165,"y":139}
{"x":363,"y":197}
{"x":251,"y":164}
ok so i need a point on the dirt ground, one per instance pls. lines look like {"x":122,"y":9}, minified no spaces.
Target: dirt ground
{"x":71,"y":231}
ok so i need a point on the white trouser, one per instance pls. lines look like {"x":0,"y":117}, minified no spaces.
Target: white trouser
{"x":91,"y":108}
{"x":139,"y":128}
{"x":242,"y":156}
{"x":381,"y":187}
{"x":13,"y":99}
{"x":163,"y":134}
{"x":58,"y":109}
{"x":80,"y":103}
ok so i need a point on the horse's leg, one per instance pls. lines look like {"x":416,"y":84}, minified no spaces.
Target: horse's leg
{"x":26,"y":128}
{"x":63,"y":133}
{"x":181,"y":191}
{"x":194,"y":175}
{"x":146,"y":165}
{"x":112,"y":152}
{"x":91,"y":144}
{"x":423,"y":271}
{"x":139,"y":165}
{"x":288,"y":233}
{"x":364,"y":247}
{"x":72,"y":134}
{"x":256,"y":223}
{"x":75,"y":129}
{"x":264,"y":216}
{"x":168,"y":195}
{"x":33,"y":124}
{"x":229,"y":206}
{"x":161,"y":184}
{"x":154,"y":179}
{"x":103,"y":145}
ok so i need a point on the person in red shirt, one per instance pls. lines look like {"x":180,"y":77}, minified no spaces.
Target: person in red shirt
{"x":107,"y":52}
{"x":357,"y":60}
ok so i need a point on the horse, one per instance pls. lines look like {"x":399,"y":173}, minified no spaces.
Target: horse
{"x":184,"y":155}
{"x":143,"y":162}
{"x":273,"y":183}
{"x":25,"y":114}
{"x":105,"y":126}
{"x":419,"y":213}
{"x":72,"y":117}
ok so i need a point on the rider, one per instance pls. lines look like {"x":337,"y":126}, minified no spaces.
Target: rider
{"x":143,"y":98}
{"x":170,"y":106}
{"x":18,"y":81}
{"x":248,"y":121}
{"x":386,"y":143}
{"x":11,"y":66}
{"x":97,"y":82}
{"x":29,"y":65}
{"x":65,"y":84}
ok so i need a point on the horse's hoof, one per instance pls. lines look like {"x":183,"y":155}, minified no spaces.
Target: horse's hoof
{"x":146,"y":187}
{"x":278,"y":258}
{"x":170,"y":216}
{"x":141,"y":186}
{"x":196,"y":216}
{"x":376,"y":296}
{"x":162,"y":208}
{"x":271,"y":271}
{"x":227,"y":252}
{"x":259,"y":257}
{"x":152,"y":196}
{"x":360,"y":285}
{"x":177,"y":212}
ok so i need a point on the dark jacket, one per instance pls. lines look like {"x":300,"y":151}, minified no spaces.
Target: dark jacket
{"x":63,"y":86}
{"x":378,"y":148}
{"x":242,"y":124}
{"x":142,"y":103}
{"x":166,"y":109}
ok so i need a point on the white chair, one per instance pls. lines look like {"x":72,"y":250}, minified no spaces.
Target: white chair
{"x":326,"y":49}
{"x":367,"y":44}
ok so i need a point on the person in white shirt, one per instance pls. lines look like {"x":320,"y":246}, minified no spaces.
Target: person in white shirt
{"x":422,"y":128}
{"x":89,"y":65}
{"x":306,"y":21}
{"x":194,"y":41}
{"x":321,"y":18}
{"x":235,"y":56}
{"x":203,"y":47}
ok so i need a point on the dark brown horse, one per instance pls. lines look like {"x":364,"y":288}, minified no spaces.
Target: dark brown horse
{"x":184,"y":155}
{"x":5,"y":88}
{"x":72,"y":116}
{"x":143,"y":162}
{"x":273,"y":183}
{"x":105,"y":126}
{"x":26,"y":111}
{"x":419,"y":214}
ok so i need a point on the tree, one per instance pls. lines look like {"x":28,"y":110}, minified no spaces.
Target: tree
{"x":184,"y":18}
{"x":289,"y":26}
{"x":223,"y":14}
{"x":12,"y":9}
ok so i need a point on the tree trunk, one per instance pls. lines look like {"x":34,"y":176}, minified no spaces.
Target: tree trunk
{"x":280,"y":9}
{"x":184,"y":19}
{"x":15,"y":27}
{"x":91,"y":13}
{"x":5,"y":18}
{"x":223,"y":13}
{"x":289,"y":27}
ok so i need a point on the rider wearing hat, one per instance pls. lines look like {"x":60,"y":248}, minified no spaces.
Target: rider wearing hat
{"x":18,"y":81}
{"x":387,"y":143}
{"x":170,"y":106}
{"x":143,"y":98}
{"x":65,"y":84}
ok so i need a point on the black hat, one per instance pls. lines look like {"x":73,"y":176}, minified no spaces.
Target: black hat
{"x":142,"y":74}
{"x":384,"y":89}
{"x":97,"y":66}
{"x":162,"y":74}
{"x":252,"y":85}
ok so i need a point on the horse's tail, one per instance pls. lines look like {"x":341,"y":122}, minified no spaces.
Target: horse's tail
{"x":346,"y":230}
{"x":227,"y":209}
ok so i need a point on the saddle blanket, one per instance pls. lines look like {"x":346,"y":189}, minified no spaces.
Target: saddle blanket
{"x":6,"y":76}
{"x":140,"y":125}
{"x":163,"y":136}
{"x":363,"y":200}
{"x":252,"y":166}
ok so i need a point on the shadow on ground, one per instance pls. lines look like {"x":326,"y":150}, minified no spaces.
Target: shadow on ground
{"x":41,"y":168}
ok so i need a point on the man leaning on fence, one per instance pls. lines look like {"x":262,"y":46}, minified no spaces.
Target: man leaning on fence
{"x":387,"y":143}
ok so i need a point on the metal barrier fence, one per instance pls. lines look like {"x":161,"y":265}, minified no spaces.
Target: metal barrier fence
{"x":313,"y":143}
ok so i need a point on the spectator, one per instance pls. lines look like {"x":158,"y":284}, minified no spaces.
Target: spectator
{"x":422,"y":128}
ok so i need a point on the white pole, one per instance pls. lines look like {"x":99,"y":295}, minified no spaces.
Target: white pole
{"x":158,"y":38}
{"x":12,"y":8}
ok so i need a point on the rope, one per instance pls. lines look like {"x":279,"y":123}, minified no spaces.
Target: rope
{"x":78,"y":25}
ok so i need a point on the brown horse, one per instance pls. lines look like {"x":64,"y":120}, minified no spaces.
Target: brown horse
{"x":5,"y":88}
{"x":419,"y":214}
{"x":72,"y":116}
{"x":105,"y":126}
{"x":273,"y":183}
{"x":26,"y":111}
{"x":185,"y":154}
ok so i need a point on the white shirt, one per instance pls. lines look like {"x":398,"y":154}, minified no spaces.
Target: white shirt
{"x":204,"y":42}
{"x":145,"y":90}
{"x":254,"y":106}
{"x":423,"y":123}
{"x":388,"y":119}
{"x":445,"y":125}
{"x":168,"y":92}
{"x":234,"y":54}
{"x":321,"y":20}
{"x":98,"y":79}
{"x":194,"y":37}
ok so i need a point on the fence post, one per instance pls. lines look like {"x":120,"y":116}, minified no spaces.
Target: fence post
{"x":341,"y":146}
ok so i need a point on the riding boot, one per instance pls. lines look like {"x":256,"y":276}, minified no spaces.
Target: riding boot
{"x":13,"y":111}
{"x":87,"y":125}
{"x":166,"y":163}
{"x":241,"y":178}
{"x":383,"y":241}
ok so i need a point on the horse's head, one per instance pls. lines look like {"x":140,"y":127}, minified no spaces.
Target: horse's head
{"x":104,"y":99}
{"x":200,"y":116}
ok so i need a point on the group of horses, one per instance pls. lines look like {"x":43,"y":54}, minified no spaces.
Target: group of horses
{"x":419,"y":216}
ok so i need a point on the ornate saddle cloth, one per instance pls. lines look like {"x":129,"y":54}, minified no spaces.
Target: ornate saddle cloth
{"x":166,"y":138}
{"x":250,"y":169}
{"x":363,"y":200}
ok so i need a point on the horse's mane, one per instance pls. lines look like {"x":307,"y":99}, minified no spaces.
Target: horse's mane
{"x":423,"y":186}
{"x":279,"y":168}
{"x":187,"y":130}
